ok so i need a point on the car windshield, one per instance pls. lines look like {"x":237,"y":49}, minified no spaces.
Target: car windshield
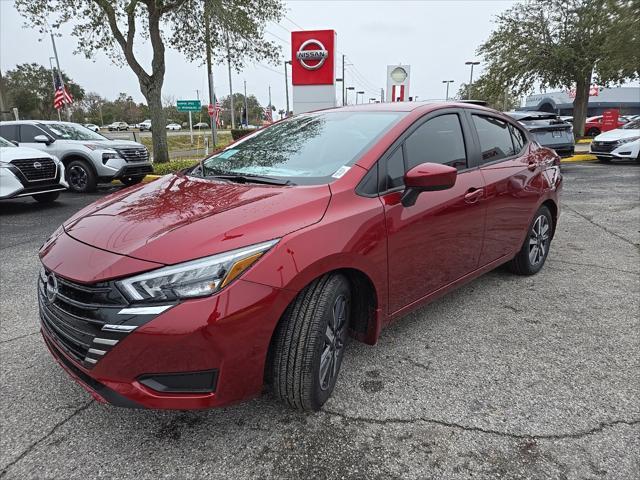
{"x":307,"y":149}
{"x":632,"y":125}
{"x":5,"y":143}
{"x":70,"y":131}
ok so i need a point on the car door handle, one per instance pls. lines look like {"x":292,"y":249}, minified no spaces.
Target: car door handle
{"x":532,"y":165}
{"x":473,"y":195}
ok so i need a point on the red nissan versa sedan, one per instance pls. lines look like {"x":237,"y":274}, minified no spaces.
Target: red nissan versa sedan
{"x":195,"y":290}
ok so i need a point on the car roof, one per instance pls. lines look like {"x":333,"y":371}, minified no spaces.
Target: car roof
{"x":406,"y":106}
{"x":530,"y":114}
{"x":35,"y":122}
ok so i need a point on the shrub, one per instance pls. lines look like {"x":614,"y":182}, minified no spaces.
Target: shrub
{"x":240,"y":132}
{"x":173,"y":166}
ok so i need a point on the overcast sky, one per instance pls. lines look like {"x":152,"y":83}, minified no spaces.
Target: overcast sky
{"x":434,"y":37}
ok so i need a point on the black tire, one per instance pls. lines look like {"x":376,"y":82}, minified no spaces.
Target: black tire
{"x":604,"y":159}
{"x":128,"y":181}
{"x":535,"y":249}
{"x":48,"y":197}
{"x":309,"y":337}
{"x":81,"y":177}
{"x":593,"y":132}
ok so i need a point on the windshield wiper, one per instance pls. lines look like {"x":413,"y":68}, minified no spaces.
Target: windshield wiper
{"x":243,"y":178}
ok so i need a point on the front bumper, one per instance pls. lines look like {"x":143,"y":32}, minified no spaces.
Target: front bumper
{"x":626,"y":151}
{"x":14,"y":185}
{"x":228,"y":333}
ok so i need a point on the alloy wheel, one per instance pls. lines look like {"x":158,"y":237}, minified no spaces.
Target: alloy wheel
{"x":539,"y":240}
{"x":333,"y":342}
{"x":78,"y":178}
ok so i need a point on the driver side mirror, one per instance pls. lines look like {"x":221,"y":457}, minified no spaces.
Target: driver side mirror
{"x":43,"y":139}
{"x":427,"y":177}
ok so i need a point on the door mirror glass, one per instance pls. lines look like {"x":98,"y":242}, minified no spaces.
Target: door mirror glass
{"x":427,"y":177}
{"x":42,"y":139}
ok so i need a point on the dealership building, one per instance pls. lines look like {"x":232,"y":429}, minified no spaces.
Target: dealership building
{"x":625,"y":99}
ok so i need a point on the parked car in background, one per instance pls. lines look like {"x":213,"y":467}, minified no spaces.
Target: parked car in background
{"x":548,"y":129}
{"x":619,"y":144}
{"x":566,"y":118}
{"x":118,"y":126}
{"x":174,"y":126}
{"x":145,"y":126}
{"x":201,"y":125}
{"x":29,"y":172}
{"x":88,"y":157}
{"x":255,"y":266}
{"x":593,"y":125}
{"x":92,"y":127}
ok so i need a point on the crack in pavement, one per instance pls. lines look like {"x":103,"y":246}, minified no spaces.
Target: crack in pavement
{"x":617,"y":235}
{"x":42,"y":439}
{"x":559,"y":436}
{"x":19,"y":337}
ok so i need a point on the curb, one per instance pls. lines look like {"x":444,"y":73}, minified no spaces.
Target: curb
{"x":585,"y":140}
{"x":150,"y":178}
{"x":580,"y":158}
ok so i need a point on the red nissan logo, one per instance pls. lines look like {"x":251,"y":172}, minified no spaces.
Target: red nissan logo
{"x":312,"y":54}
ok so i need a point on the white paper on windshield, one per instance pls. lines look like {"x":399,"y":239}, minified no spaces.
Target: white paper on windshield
{"x":341,"y":171}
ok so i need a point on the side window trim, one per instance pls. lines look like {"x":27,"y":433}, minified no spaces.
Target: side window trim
{"x":478,"y":156}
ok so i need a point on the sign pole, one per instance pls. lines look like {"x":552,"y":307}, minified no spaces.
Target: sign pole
{"x":190,"y":128}
{"x":55,"y":54}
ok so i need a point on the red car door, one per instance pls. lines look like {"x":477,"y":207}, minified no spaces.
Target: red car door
{"x":513,"y":184}
{"x":439,"y":239}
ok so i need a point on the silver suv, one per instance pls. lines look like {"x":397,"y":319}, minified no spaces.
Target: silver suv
{"x":88,"y":157}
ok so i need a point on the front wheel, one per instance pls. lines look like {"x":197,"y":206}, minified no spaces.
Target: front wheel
{"x":81,"y":177}
{"x":309,"y":343}
{"x":593,"y":132}
{"x":604,"y":159}
{"x":531,"y":257}
{"x":48,"y":197}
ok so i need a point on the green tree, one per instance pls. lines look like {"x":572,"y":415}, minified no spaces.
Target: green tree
{"x":497,"y":96}
{"x":256,"y":112}
{"x":564,"y":44}
{"x":29,"y":87}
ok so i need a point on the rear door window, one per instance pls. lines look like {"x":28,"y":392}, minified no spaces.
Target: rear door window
{"x":438,"y":140}
{"x":495,"y":138}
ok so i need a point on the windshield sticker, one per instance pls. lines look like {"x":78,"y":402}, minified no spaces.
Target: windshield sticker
{"x":341,"y":171}
{"x":228,"y":153}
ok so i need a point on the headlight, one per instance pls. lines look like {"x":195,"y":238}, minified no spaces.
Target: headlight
{"x":627,"y":140}
{"x":108,"y":156}
{"x":198,"y":278}
{"x":4,"y":164}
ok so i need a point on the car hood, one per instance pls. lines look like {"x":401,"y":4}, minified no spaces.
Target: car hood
{"x":8,"y":154}
{"x":179,"y":218}
{"x":617,"y":134}
{"x":106,"y":143}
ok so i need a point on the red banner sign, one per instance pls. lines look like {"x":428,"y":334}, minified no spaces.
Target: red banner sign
{"x":610,"y":119}
{"x":313,"y":57}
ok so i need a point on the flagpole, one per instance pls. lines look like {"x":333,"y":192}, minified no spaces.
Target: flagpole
{"x":53,"y":77}
{"x":55,"y":53}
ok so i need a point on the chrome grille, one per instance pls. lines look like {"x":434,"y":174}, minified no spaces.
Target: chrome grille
{"x":603,"y":146}
{"x":134,"y":154}
{"x":36,"y":169}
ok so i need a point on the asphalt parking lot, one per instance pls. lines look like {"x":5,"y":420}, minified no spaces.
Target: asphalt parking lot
{"x":508,"y":377}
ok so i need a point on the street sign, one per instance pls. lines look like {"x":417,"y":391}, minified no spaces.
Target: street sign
{"x":210,"y":110}
{"x":188,"y":105}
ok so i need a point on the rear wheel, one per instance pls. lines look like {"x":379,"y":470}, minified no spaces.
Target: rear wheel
{"x":81,"y":177}
{"x":309,"y":343}
{"x":48,"y":197}
{"x":128,"y":181}
{"x":531,"y":257}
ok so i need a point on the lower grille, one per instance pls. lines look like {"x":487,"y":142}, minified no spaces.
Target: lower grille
{"x":136,"y":154}
{"x":36,"y":169}
{"x":131,"y":170}
{"x":605,"y":147}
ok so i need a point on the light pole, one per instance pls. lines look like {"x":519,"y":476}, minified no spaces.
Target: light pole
{"x":347,"y":94}
{"x":286,"y":85}
{"x":447,"y":82}
{"x":470,"y":78}
{"x":359,"y":93}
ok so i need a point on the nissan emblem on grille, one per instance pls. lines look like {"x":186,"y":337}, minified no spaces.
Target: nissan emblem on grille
{"x":318,"y":54}
{"x":52,"y":287}
{"x":37,"y":165}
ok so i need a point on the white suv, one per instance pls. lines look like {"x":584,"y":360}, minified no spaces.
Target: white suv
{"x":88,"y":157}
{"x":619,"y":144}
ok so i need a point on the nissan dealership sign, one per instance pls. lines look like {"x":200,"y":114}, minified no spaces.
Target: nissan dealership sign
{"x":313,"y":70}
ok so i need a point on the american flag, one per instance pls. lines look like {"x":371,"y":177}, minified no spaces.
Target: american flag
{"x":61,"y":95}
{"x":216,"y":114}
{"x":268,"y":116}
